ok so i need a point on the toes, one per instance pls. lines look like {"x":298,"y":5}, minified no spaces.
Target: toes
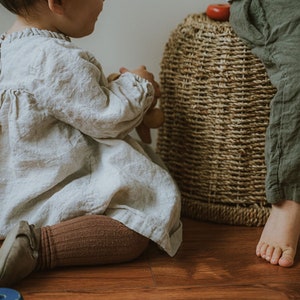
{"x":258,"y":249}
{"x":269,"y":253}
{"x":262,"y":250}
{"x":287,"y":258}
{"x":276,"y":256}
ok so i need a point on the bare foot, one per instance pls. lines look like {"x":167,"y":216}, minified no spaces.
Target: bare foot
{"x":279,"y":240}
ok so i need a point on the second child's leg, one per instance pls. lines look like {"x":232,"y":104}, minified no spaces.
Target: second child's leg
{"x":271,"y":29}
{"x":279,"y":240}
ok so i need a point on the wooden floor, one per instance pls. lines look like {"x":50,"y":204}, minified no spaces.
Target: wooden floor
{"x":214,"y":262}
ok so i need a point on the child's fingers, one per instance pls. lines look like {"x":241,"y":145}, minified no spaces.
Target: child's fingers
{"x":123,"y":70}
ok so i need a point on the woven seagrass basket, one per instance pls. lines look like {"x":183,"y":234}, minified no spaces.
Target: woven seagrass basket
{"x":216,"y":96}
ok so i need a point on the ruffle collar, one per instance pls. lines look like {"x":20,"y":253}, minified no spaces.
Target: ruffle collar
{"x":28,"y":32}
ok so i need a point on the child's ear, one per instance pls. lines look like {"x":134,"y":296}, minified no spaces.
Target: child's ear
{"x":56,"y":6}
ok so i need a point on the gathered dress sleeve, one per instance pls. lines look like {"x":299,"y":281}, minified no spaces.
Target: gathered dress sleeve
{"x":70,"y":83}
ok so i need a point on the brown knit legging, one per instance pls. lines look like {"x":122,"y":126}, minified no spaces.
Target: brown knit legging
{"x":88,"y":240}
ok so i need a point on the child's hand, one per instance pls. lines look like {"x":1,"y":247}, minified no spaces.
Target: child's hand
{"x":142,"y":72}
{"x":154,"y":117}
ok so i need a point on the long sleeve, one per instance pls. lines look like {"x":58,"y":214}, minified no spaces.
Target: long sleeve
{"x":71,"y":84}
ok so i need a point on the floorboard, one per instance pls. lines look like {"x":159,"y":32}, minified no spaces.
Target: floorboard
{"x":214,"y":262}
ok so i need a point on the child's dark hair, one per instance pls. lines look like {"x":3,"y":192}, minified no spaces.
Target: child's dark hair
{"x":18,"y":7}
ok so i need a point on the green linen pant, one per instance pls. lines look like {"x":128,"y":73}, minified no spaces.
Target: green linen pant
{"x":271,"y":28}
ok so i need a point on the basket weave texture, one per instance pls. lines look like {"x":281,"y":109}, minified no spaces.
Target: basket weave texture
{"x":216,"y":96}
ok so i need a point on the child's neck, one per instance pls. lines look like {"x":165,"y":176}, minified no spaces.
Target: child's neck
{"x":22,"y":23}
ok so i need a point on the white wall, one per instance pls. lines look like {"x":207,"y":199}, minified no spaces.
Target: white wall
{"x":130,"y":33}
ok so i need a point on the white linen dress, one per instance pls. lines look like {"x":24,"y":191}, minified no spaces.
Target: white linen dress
{"x":65,"y":144}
